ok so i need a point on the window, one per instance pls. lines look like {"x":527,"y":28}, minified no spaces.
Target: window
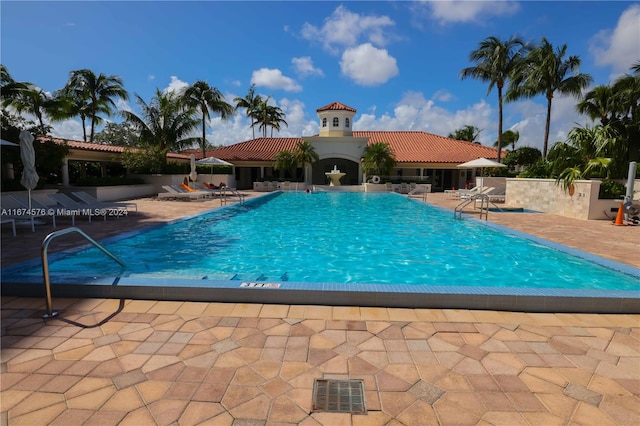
{"x":324,"y":122}
{"x":346,"y":122}
{"x":336,"y":122}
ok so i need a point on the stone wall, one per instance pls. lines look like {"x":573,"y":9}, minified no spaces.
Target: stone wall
{"x":544,"y":195}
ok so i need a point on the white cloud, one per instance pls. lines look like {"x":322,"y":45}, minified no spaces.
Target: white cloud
{"x":452,"y":11}
{"x":69,"y":129}
{"x":151,"y":77}
{"x":274,"y":79}
{"x":176,"y":85}
{"x":443,"y":95}
{"x":122,"y":105}
{"x":620,"y":47}
{"x":344,"y":28}
{"x":368,"y":65}
{"x":304,"y":67}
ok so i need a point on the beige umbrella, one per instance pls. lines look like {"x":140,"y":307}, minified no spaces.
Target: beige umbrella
{"x":480,"y":163}
{"x":193,"y":175}
{"x":30,"y":176}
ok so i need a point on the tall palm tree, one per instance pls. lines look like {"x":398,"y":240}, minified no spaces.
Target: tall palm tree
{"x":546,"y":72}
{"x":268,"y":116}
{"x":467,"y":133}
{"x":305,"y":153}
{"x":600,"y":104}
{"x":206,"y":98}
{"x":32,"y":100}
{"x":509,"y":137}
{"x":9,"y":88}
{"x":70,"y":102}
{"x":164,"y":122}
{"x":379,"y":159}
{"x":98,"y":92}
{"x":496,"y":61}
{"x":627,"y":93}
{"x":250,"y":103}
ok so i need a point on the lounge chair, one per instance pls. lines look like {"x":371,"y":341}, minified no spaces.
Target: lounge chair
{"x":38,"y":210}
{"x":466,"y":194}
{"x":10,"y":220}
{"x":212,"y":189}
{"x":79,"y":208}
{"x":121,"y":205}
{"x":174,"y":191}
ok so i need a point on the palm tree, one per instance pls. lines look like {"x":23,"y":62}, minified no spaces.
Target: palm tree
{"x":9,"y":88}
{"x":268,"y":115}
{"x":98,"y":93}
{"x":70,"y":102}
{"x":206,"y":98}
{"x":496,"y":61}
{"x":467,"y":133}
{"x":287,"y":161}
{"x":378,"y":159}
{"x":510,"y":137}
{"x":586,"y":153}
{"x":250,"y":103}
{"x":627,"y":92}
{"x":600,"y":104}
{"x":164,"y":122}
{"x":32,"y":100}
{"x":545,"y":72}
{"x":305,"y":153}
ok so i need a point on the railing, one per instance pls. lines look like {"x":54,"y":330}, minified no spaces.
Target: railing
{"x":45,"y":262}
{"x":484,"y":206}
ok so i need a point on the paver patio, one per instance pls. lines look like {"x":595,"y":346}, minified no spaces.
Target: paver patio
{"x":136,"y":362}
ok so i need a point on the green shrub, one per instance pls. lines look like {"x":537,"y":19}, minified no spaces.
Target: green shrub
{"x":611,"y":189}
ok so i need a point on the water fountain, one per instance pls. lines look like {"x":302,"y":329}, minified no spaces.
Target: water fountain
{"x":335,"y":176}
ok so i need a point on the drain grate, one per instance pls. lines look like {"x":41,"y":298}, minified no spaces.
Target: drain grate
{"x":339,"y":396}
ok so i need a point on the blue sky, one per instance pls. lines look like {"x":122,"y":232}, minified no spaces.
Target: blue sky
{"x":398,"y":63}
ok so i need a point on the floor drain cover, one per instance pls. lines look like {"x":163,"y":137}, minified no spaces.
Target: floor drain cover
{"x":339,"y":396}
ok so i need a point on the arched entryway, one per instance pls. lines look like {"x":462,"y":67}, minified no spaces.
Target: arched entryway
{"x":351,"y":168}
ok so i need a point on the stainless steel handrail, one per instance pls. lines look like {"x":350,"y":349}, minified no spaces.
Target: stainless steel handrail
{"x":484,"y":206}
{"x":45,"y":262}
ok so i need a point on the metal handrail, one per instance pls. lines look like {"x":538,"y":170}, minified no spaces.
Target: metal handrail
{"x":45,"y":262}
{"x":484,"y":199}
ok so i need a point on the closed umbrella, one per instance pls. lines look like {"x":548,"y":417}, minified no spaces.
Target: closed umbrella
{"x":29,"y":177}
{"x":480,"y":163}
{"x":193,"y":175}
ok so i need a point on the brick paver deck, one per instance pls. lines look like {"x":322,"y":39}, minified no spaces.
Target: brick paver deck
{"x":136,"y":362}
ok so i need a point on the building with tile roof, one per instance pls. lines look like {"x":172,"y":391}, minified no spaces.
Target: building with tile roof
{"x":420,"y":156}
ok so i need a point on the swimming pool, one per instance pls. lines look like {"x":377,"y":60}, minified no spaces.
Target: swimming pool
{"x":356,"y":242}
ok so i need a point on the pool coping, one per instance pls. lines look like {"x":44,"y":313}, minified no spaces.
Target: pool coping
{"x":337,"y":294}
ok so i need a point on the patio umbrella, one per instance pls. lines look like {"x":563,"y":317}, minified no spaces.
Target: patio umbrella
{"x":29,"y":177}
{"x":193,"y":175}
{"x":213,"y":161}
{"x":480,"y":163}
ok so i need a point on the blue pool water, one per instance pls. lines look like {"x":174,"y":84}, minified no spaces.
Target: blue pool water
{"x":340,"y":238}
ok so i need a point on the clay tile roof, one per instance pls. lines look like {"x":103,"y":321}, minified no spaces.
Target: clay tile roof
{"x":336,"y":106}
{"x":423,"y":147}
{"x":88,"y":146}
{"x":260,"y":149}
{"x":408,"y":147}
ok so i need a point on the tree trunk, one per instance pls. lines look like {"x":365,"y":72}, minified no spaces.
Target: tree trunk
{"x":499,"y":123}
{"x":546,"y":128}
{"x":204,"y":135}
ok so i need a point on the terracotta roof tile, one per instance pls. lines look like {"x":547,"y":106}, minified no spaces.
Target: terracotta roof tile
{"x":260,"y":149}
{"x":336,"y":106}
{"x":408,"y":147}
{"x":88,"y":146}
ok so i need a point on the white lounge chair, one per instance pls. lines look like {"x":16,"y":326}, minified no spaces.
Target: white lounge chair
{"x":79,"y":208}
{"x":174,"y":191}
{"x":38,"y":211}
{"x":86,"y":198}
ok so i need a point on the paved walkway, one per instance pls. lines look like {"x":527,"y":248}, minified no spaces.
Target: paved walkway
{"x":133,"y":362}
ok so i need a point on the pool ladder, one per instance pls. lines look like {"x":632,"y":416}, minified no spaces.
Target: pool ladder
{"x":484,"y":206}
{"x":45,"y":262}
